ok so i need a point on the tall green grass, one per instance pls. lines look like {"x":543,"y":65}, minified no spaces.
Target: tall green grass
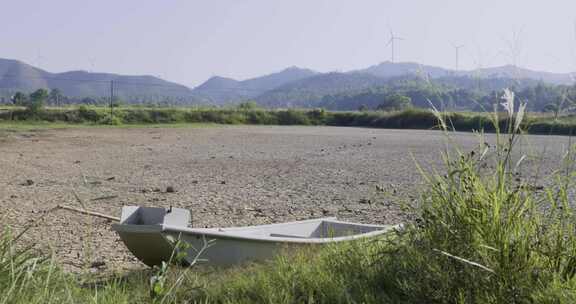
{"x":486,"y":235}
{"x":27,"y":277}
{"x":341,"y":273}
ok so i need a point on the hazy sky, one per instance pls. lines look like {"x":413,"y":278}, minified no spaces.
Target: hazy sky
{"x":189,"y":41}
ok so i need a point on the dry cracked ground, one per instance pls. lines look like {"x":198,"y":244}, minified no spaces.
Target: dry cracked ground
{"x":239,"y":175}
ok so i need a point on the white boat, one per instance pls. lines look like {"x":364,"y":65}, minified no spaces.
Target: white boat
{"x":151,"y":235}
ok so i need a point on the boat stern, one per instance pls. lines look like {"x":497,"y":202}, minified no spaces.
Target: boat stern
{"x":140,"y":229}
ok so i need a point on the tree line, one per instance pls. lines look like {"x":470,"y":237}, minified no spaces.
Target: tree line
{"x":449,"y":93}
{"x":540,"y":97}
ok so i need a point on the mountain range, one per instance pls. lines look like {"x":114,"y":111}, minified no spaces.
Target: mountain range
{"x":291,"y":87}
{"x":219,"y":90}
{"x":18,"y":76}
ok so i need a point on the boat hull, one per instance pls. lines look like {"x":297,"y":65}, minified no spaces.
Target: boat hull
{"x":149,"y":247}
{"x":156,"y":235}
{"x":224,"y":251}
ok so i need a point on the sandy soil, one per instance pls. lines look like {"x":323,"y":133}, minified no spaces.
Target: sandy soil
{"x":224,"y":175}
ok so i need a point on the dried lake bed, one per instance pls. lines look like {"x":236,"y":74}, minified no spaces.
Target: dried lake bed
{"x":226,"y":175}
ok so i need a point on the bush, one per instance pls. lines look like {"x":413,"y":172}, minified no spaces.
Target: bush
{"x":136,"y":116}
{"x":317,"y":116}
{"x":165,"y":116}
{"x":261,"y":117}
{"x":36,"y":102}
{"x":230,"y":117}
{"x":292,"y":117}
{"x":86,"y":114}
{"x":113,"y":121}
{"x":394,"y":102}
{"x":193,"y":116}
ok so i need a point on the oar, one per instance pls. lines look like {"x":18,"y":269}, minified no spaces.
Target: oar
{"x":87,"y":212}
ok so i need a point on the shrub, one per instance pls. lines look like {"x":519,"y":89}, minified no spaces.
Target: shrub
{"x":213,"y":116}
{"x":394,"y":102}
{"x":413,"y":119}
{"x":36,"y":102}
{"x":292,"y":117}
{"x":86,"y":114}
{"x":113,"y":121}
{"x":193,"y":116}
{"x":261,"y":117}
{"x":137,"y":116}
{"x":165,"y":115}
{"x":317,"y":116}
{"x":345,"y":119}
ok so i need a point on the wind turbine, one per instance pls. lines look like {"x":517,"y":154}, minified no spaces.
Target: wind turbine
{"x":457,"y":52}
{"x":39,"y":59}
{"x":91,"y":61}
{"x":393,"y":38}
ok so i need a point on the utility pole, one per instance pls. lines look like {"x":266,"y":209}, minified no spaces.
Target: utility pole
{"x":111,"y":100}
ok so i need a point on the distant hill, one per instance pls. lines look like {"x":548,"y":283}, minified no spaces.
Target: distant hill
{"x":510,"y":71}
{"x":296,"y":87}
{"x":19,"y":76}
{"x":291,"y":87}
{"x":220,"y":90}
{"x":389,"y":69}
{"x":309,"y":91}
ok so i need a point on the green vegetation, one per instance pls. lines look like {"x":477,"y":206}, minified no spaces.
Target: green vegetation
{"x":352,"y":91}
{"x":394,"y":102}
{"x":19,"y":99}
{"x":36,"y":103}
{"x":249,"y":113}
{"x":453,"y":94}
{"x":25,"y":278}
{"x":347,"y":273}
{"x":483,"y":233}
